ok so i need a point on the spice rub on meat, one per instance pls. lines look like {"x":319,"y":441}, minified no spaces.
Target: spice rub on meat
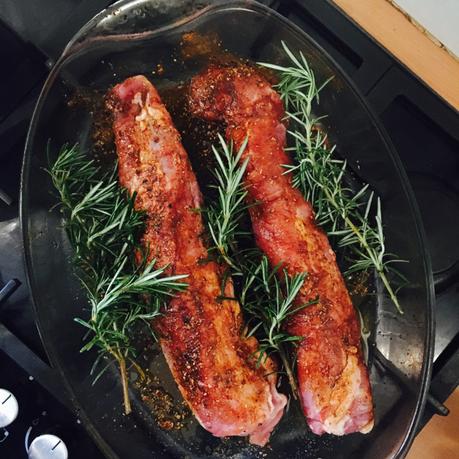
{"x":333,"y":380}
{"x":200,"y":335}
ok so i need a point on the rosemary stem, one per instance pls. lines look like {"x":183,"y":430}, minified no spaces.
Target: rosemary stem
{"x":289,"y":371}
{"x":124,"y":382}
{"x":393,"y":296}
{"x":226,"y":258}
{"x":368,"y":249}
{"x":271,"y":331}
{"x":138,"y":369}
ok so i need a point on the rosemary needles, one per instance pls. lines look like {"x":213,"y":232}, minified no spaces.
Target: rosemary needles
{"x":224,"y":216}
{"x":268,"y":296}
{"x":353,"y":219}
{"x":104,"y":228}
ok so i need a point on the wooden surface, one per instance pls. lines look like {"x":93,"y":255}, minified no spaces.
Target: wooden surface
{"x":440,"y":437}
{"x":391,"y":28}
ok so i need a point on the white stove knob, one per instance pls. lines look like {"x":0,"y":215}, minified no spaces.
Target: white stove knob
{"x":47,"y":447}
{"x":8,"y":408}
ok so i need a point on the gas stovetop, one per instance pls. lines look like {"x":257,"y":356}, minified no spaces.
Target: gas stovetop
{"x":424,"y":129}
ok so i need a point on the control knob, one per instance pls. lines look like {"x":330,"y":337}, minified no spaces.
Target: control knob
{"x":8,"y":408}
{"x":47,"y":447}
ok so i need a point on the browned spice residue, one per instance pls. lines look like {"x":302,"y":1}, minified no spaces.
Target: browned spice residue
{"x":93,"y":102}
{"x":195,"y":45}
{"x":209,"y":49}
{"x":197,"y":135}
{"x":358,"y":284}
{"x":159,"y":69}
{"x":168,"y":413}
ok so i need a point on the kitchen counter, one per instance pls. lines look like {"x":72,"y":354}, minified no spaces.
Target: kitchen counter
{"x":393,"y":30}
{"x":440,"y":437}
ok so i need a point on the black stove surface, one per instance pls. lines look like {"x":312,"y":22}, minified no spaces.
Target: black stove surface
{"x":424,"y":129}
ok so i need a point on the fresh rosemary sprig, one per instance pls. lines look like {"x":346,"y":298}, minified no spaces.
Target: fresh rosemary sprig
{"x":224,"y":216}
{"x":104,"y":228}
{"x":268,"y":300}
{"x":268,"y":296}
{"x":321,"y":176}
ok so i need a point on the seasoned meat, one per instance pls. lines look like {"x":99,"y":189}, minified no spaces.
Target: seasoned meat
{"x":333,"y":379}
{"x":200,"y":335}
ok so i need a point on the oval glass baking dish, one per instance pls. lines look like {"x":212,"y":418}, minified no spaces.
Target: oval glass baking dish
{"x":146,"y":37}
